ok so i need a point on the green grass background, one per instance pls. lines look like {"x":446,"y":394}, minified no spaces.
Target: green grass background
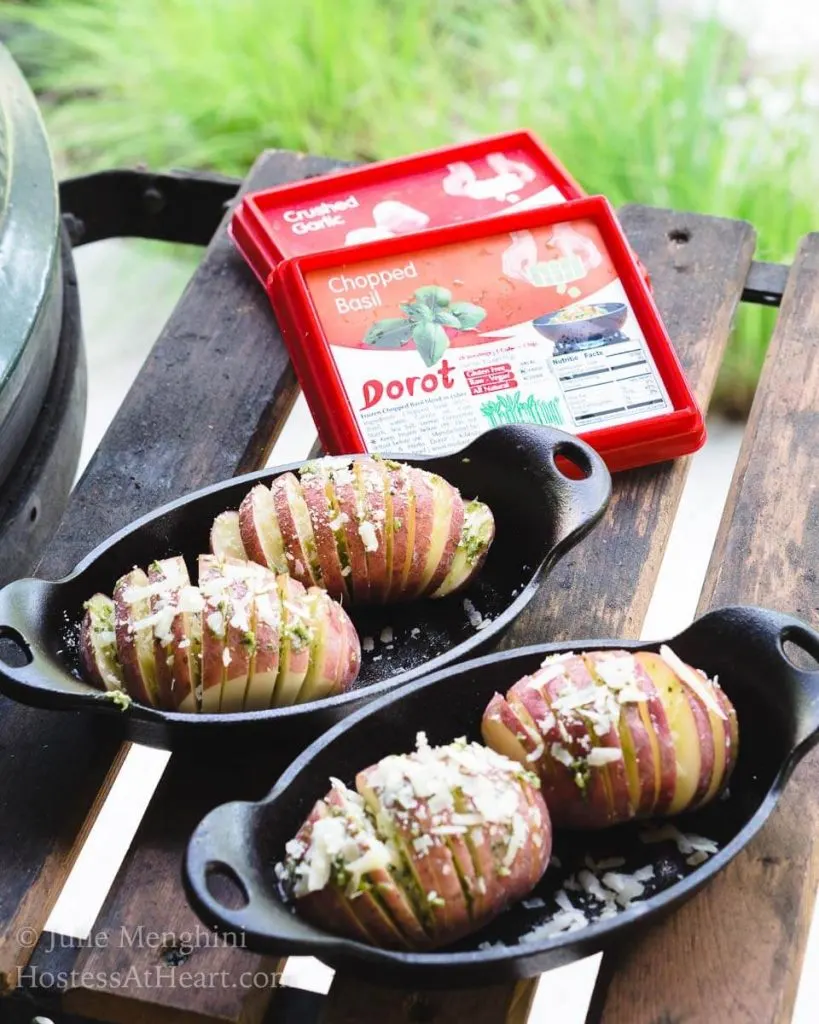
{"x":642,"y":109}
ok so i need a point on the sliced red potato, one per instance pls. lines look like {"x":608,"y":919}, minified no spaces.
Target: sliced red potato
{"x":133,"y":626}
{"x":433,"y":846}
{"x":364,"y":529}
{"x":374,"y":529}
{"x":328,"y":906}
{"x":213,"y":585}
{"x":259,"y":529}
{"x":98,"y":644}
{"x":240,"y":641}
{"x":420,"y":572}
{"x":432,"y":884}
{"x":402,"y":499}
{"x":616,"y":735}
{"x":449,"y":521}
{"x":284,"y":490}
{"x":684,"y":730}
{"x":264,"y":669}
{"x":226,"y":537}
{"x":319,"y":619}
{"x":477,"y":534}
{"x":351,"y":516}
{"x":297,"y":639}
{"x":331,"y":648}
{"x":167,"y":580}
{"x":316,"y":486}
{"x":353,"y":657}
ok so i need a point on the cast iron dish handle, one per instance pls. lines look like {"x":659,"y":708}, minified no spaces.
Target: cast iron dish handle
{"x":23,"y":605}
{"x":222,"y":845}
{"x":765,"y":633}
{"x":581,"y":501}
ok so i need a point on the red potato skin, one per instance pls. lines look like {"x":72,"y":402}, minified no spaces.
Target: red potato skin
{"x":662,"y":734}
{"x":593,"y":810}
{"x":456,"y":525}
{"x":126,"y":647}
{"x":237,"y":670}
{"x":314,"y":488}
{"x":297,"y":561}
{"x":614,"y":773}
{"x":372,"y":485}
{"x":268,"y":640}
{"x":328,"y":908}
{"x":294,"y":592}
{"x":168,"y":659}
{"x":647,"y":768}
{"x":247,"y":527}
{"x":87,"y":660}
{"x":353,"y":655}
{"x":731,"y":734}
{"x":342,"y":649}
{"x":403,"y":538}
{"x":90,"y":669}
{"x":358,"y":579}
{"x":213,"y":645}
{"x":424,"y":518}
{"x":435,"y":870}
{"x":412,"y":934}
{"x":706,"y":740}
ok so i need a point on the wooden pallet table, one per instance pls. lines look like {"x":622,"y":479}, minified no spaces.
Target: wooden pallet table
{"x":208,"y":404}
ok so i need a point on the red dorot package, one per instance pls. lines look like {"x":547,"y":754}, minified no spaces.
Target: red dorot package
{"x":421,"y":344}
{"x":452,"y":185}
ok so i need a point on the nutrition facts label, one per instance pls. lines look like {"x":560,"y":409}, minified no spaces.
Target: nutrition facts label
{"x":613,"y":382}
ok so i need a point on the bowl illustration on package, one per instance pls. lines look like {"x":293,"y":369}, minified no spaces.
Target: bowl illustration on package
{"x":583,"y":326}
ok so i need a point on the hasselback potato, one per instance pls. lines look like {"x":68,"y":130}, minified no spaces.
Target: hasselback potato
{"x":430,"y":847}
{"x":244,"y":639}
{"x":366,"y":530}
{"x":615,"y":735}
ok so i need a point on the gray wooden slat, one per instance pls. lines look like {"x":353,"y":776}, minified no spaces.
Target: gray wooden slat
{"x":735,"y":952}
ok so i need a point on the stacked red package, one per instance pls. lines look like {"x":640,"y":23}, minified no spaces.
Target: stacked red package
{"x":427,"y":299}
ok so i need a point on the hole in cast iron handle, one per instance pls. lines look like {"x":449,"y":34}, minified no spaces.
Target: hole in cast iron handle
{"x":805,"y":640}
{"x":218,"y":868}
{"x":15,"y":651}
{"x":583,"y":478}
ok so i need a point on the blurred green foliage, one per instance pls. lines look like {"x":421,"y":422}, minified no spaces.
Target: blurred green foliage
{"x":638,"y":108}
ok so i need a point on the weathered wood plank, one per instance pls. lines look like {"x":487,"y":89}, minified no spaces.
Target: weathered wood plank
{"x":603,"y":587}
{"x":749,"y":928}
{"x":205,"y":406}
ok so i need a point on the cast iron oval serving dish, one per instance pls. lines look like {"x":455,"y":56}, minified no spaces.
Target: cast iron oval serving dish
{"x":539,"y":513}
{"x":778,"y":711}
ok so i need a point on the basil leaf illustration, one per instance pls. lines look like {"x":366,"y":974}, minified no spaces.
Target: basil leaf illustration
{"x":469,"y":315}
{"x":390,"y":333}
{"x":431,"y":340}
{"x":433,"y":297}
{"x":446,"y":318}
{"x":417,"y":311}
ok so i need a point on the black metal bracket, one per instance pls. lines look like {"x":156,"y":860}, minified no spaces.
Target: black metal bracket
{"x":765,"y":284}
{"x":180,"y":206}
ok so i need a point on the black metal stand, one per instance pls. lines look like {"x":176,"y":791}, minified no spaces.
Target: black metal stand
{"x":176,"y":207}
